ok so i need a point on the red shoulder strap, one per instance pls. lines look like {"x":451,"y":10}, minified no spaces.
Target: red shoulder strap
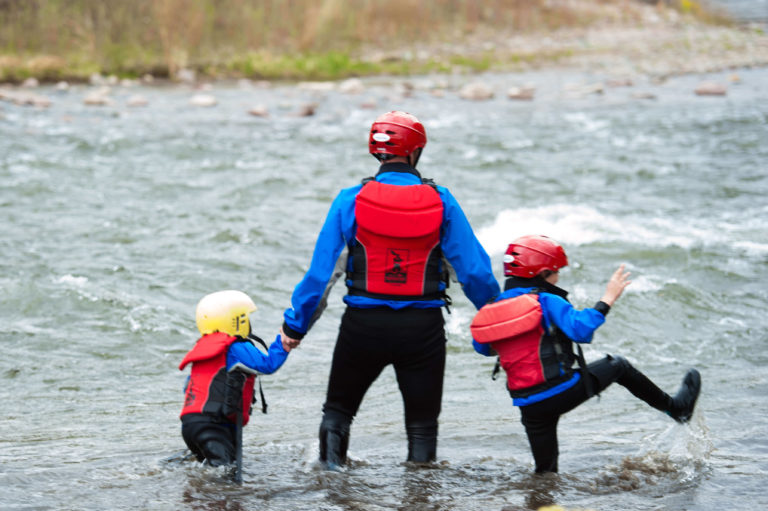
{"x":506,"y":318}
{"x":207,"y":347}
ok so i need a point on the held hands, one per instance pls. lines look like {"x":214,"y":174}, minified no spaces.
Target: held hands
{"x":616,"y":285}
{"x":288,"y":342}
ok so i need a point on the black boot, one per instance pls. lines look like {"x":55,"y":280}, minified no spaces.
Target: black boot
{"x":334,"y":439}
{"x":422,"y":441}
{"x":682,"y":405}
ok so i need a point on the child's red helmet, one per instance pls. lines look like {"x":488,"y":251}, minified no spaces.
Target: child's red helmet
{"x":528,"y":256}
{"x":396,"y":134}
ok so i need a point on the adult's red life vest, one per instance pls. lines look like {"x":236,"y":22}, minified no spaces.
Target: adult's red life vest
{"x":397,"y":250}
{"x":533,"y":358}
{"x":207,"y":387}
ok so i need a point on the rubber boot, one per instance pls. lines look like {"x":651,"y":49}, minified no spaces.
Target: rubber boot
{"x":422,"y":441}
{"x":682,"y":405}
{"x":334,"y":439}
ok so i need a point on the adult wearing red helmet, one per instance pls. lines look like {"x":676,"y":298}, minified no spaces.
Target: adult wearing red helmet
{"x":532,"y":327}
{"x":393,"y":237}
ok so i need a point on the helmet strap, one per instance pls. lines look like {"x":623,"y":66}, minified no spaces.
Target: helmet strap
{"x":414,"y":157}
{"x":382,"y":157}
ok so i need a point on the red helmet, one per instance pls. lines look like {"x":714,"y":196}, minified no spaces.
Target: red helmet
{"x":528,"y":256}
{"x":396,"y":134}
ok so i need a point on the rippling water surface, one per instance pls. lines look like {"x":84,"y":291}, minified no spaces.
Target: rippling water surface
{"x":116,"y":220}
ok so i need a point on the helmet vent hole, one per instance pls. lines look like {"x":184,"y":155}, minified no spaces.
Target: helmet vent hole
{"x":390,"y":132}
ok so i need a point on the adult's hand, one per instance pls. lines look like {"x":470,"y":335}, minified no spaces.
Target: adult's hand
{"x":616,"y":285}
{"x":288,"y":342}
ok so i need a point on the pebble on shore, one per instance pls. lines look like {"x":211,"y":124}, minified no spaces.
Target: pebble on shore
{"x":136,"y":101}
{"x":351,"y":86}
{"x":525,"y":93}
{"x":259,"y":111}
{"x":711,"y":89}
{"x":476,"y":91}
{"x":203,"y":100}
{"x":99,"y":97}
{"x":306,"y":110}
{"x":24,"y":98}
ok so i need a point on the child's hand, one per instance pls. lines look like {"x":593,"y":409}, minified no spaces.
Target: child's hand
{"x":288,"y":342}
{"x":616,"y":286}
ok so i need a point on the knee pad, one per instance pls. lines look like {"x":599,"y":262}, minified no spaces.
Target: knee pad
{"x":618,"y":360}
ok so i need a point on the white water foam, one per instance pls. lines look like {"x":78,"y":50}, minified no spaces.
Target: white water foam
{"x":574,"y":225}
{"x":72,"y":280}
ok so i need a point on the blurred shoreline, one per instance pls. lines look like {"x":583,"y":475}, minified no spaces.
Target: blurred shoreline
{"x":620,"y":37}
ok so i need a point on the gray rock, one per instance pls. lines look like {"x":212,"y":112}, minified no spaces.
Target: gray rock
{"x":137,"y":100}
{"x":711,"y":89}
{"x":476,"y":91}
{"x":99,"y":97}
{"x":30,"y":83}
{"x":351,"y":86}
{"x":203,"y":100}
{"x":259,"y":111}
{"x":525,"y":93}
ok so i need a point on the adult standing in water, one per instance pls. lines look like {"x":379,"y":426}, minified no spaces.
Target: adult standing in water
{"x":400,"y":232}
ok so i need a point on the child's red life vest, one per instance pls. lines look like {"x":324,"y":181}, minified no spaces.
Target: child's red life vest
{"x":397,"y":250}
{"x":207,"y":385}
{"x":514,"y":328}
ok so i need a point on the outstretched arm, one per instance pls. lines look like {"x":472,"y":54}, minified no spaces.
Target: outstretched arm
{"x":616,"y":285}
{"x":244,"y":356}
{"x":309,"y":296}
{"x":466,"y":255}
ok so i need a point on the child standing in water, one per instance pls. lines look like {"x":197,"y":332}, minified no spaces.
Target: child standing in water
{"x":225,"y":363}
{"x":532,"y":327}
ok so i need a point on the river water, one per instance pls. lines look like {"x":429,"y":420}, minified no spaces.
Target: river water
{"x":750,"y":11}
{"x":116,"y":220}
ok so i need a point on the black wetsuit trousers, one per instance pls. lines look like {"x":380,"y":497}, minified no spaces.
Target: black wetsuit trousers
{"x":412,"y":341}
{"x":540,"y":419}
{"x":210,"y":441}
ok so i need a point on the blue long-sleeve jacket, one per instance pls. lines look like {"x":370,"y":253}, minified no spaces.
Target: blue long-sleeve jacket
{"x":247,"y":357}
{"x":577,"y":325}
{"x":458,"y":243}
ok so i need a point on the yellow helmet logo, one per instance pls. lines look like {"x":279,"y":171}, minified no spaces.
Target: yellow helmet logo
{"x":225,"y":311}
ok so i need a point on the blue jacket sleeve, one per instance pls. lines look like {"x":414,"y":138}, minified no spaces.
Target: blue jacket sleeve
{"x":465,"y":253}
{"x":308,"y":296}
{"x":247,"y":357}
{"x":483,"y":349}
{"x":578,"y":325}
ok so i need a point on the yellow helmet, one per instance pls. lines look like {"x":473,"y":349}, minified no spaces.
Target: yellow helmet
{"x":225,"y":311}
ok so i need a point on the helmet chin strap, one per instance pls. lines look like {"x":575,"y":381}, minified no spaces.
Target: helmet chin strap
{"x":413,"y":158}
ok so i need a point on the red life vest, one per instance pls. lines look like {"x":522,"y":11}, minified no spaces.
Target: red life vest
{"x":397,"y":250}
{"x":532,"y":358}
{"x":207,"y":386}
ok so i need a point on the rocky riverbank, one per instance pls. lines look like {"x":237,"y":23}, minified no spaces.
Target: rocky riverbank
{"x":623,"y":38}
{"x":649,"y":46}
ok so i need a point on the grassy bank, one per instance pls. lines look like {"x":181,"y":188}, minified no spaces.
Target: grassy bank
{"x":302,"y":39}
